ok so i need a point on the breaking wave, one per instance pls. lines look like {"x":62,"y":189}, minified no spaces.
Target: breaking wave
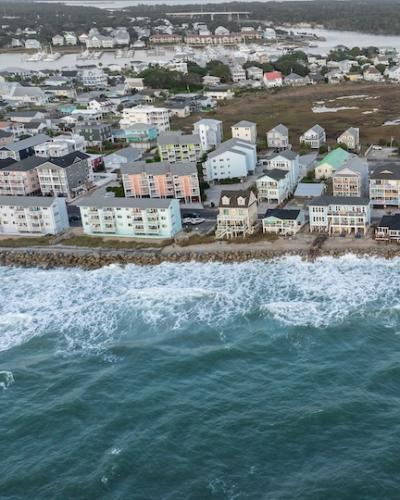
{"x":86,"y":310}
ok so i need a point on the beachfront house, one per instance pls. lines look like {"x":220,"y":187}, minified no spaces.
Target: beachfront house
{"x":283,"y":222}
{"x":273,"y":79}
{"x":237,"y":215}
{"x":20,"y":178}
{"x":338,"y":215}
{"x":388,"y":229}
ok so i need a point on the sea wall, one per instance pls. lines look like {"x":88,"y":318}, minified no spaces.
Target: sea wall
{"x":88,"y":258}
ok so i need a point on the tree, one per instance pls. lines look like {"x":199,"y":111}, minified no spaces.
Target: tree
{"x":220,"y":70}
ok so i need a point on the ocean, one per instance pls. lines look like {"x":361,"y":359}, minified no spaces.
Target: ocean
{"x":258,"y":380}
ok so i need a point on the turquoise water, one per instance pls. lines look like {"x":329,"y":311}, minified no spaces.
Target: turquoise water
{"x":201,"y":381}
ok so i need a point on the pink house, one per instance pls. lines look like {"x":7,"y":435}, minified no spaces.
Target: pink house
{"x":273,"y":79}
{"x":20,"y":178}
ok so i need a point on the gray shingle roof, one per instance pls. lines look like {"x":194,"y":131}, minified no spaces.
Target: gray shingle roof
{"x":30,"y":142}
{"x":98,"y":201}
{"x":325,"y":200}
{"x":159,"y":168}
{"x":26,"y":201}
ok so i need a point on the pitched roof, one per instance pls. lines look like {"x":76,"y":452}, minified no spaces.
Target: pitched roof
{"x":281,"y":129}
{"x":24,"y":165}
{"x":390,"y":221}
{"x":26,"y":201}
{"x":335,"y":158}
{"x":159,"y":168}
{"x":99,"y":201}
{"x":283,"y":214}
{"x":67,"y":160}
{"x":325,"y":200}
{"x":287,"y":153}
{"x":386,"y":172}
{"x":244,"y":123}
{"x":233,"y":197}
{"x":273,"y":75}
{"x":309,"y":189}
{"x":276,"y":173}
{"x":30,"y":142}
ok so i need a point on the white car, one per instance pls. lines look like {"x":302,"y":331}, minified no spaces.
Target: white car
{"x":192,"y":220}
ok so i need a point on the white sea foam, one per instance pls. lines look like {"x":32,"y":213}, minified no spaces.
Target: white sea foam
{"x":6,"y":379}
{"x":89,"y":311}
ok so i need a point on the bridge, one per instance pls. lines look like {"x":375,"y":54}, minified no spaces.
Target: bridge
{"x":229,"y":14}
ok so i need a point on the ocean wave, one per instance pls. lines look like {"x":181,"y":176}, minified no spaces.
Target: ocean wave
{"x":87,"y":310}
{"x":6,"y":379}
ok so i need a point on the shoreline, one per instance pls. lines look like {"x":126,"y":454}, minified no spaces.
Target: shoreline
{"x":89,"y":258}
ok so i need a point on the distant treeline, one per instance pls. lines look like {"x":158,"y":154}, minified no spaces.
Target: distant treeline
{"x":367,"y":16}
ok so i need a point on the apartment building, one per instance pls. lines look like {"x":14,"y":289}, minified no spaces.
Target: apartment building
{"x":130,"y":217}
{"x":161,"y":180}
{"x":231,"y":159}
{"x":351,"y":179}
{"x":384,"y":186}
{"x":314,"y":137}
{"x":210,"y":132}
{"x":283,"y":222}
{"x":274,"y":186}
{"x":32,"y":215}
{"x":65,"y":175}
{"x":20,"y":178}
{"x":94,"y":78}
{"x":160,"y":117}
{"x":176,"y":147}
{"x":338,"y":215}
{"x":237,"y":215}
{"x":245,"y":131}
{"x":278,"y":138}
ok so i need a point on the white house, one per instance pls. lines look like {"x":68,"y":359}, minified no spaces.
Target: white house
{"x":350,"y":138}
{"x":31,"y":43}
{"x":32,"y":215}
{"x":338,"y":215}
{"x":371,"y":74}
{"x":393,"y":73}
{"x":283,"y":222}
{"x":238,"y":74}
{"x":255,"y":73}
{"x":57,"y":40}
{"x":273,"y":186}
{"x":278,"y":138}
{"x":245,"y":131}
{"x":210,"y":132}
{"x":287,"y":161}
{"x":130,"y":217}
{"x":231,"y":159}
{"x":314,"y":137}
